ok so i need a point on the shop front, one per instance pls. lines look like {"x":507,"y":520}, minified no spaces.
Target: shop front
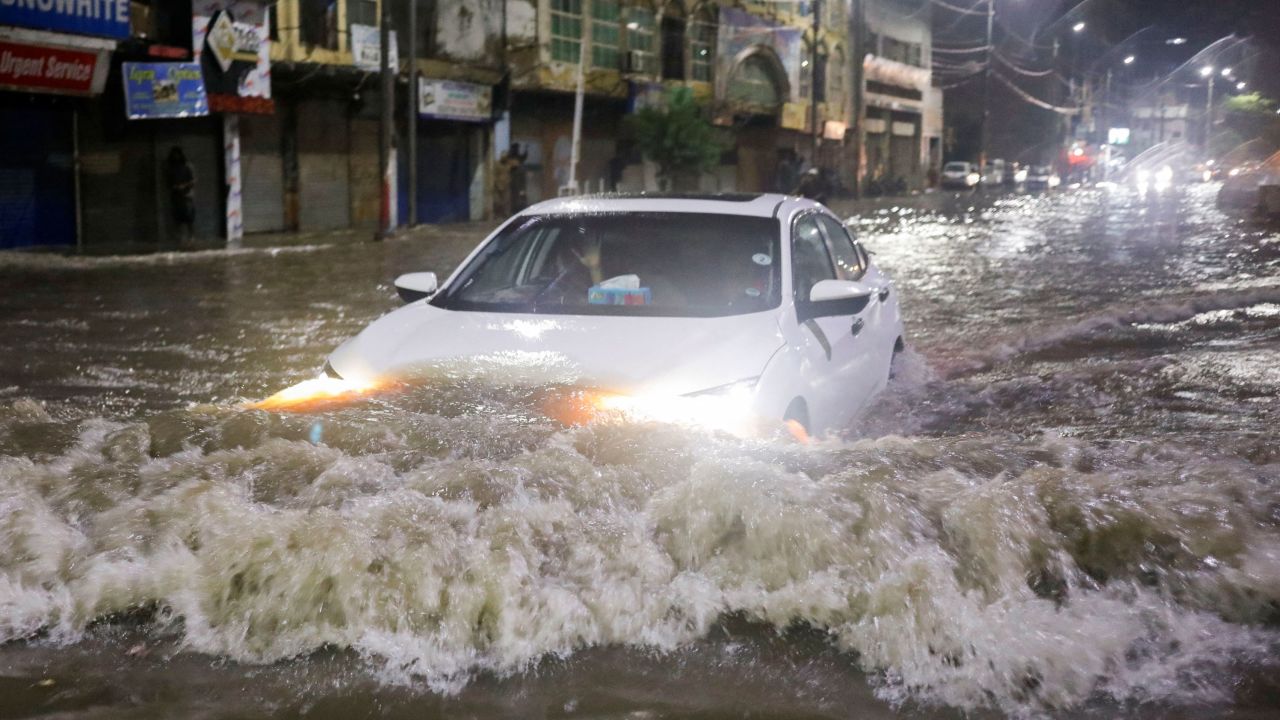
{"x":45,"y":78}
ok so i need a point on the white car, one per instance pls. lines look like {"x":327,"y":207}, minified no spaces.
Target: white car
{"x":959,"y":175}
{"x":738,"y":312}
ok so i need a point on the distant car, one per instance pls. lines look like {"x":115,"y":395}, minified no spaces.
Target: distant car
{"x":959,"y":175}
{"x":1040,"y":177}
{"x":993,"y":173}
{"x":716,"y":310}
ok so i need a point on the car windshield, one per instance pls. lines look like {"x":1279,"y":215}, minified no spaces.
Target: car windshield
{"x":956,"y":167}
{"x":663,"y":264}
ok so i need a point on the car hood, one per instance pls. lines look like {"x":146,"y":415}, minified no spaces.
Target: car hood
{"x":656,"y":354}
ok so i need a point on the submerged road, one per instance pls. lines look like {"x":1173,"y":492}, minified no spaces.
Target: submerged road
{"x":1067,"y":503}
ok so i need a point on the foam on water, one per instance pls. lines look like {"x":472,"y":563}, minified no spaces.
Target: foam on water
{"x":971,"y":572}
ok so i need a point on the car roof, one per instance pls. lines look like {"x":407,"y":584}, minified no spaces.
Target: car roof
{"x":744,"y":204}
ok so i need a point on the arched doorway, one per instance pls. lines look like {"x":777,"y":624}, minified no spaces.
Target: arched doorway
{"x":756,"y":90}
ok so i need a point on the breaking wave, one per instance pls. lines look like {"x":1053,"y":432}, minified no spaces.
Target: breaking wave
{"x":971,"y":572}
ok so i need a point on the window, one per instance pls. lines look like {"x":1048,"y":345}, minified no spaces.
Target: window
{"x":849,"y":264}
{"x":362,"y":12}
{"x":810,"y":263}
{"x":754,"y":83}
{"x":908,"y":53}
{"x":566,"y":30}
{"x":673,"y":43}
{"x":605,"y":33}
{"x":160,"y":22}
{"x":640,"y":24}
{"x":320,"y":23}
{"x":663,"y":264}
{"x":835,"y":78}
{"x":702,"y":46}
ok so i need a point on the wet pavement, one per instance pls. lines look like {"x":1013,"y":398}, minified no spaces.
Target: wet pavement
{"x":1065,"y":504}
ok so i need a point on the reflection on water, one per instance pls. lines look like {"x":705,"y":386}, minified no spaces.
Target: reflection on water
{"x":1067,"y":499}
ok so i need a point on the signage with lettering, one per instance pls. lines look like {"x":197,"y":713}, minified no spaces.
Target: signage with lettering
{"x":49,"y":69}
{"x":366,"y":48}
{"x":83,"y":17}
{"x":452,"y":100}
{"x":164,"y":90}
{"x":231,"y":41}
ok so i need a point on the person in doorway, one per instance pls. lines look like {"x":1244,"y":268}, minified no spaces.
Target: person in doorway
{"x":787,"y":173}
{"x":510,"y":182}
{"x":812,"y":185}
{"x":182,"y":194}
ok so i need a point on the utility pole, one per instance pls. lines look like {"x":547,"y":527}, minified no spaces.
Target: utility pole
{"x":859,"y":92}
{"x":986,"y":89}
{"x":386,"y":127}
{"x":579,"y":98}
{"x":1208,"y":116}
{"x":813,"y":85}
{"x":411,"y":116}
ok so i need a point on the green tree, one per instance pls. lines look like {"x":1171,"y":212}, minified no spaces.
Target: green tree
{"x":1248,"y":116}
{"x":678,"y":138}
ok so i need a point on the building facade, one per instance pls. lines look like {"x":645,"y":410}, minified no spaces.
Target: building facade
{"x":752,"y":66}
{"x":283,"y":133}
{"x":901,"y":139}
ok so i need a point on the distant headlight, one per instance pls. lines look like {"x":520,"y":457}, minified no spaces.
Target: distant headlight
{"x":973,"y":178}
{"x":1020,"y":176}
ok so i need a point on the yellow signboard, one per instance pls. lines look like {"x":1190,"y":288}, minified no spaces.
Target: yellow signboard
{"x":795,"y":116}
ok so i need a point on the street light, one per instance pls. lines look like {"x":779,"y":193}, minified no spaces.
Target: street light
{"x":1077,"y":27}
{"x":1129,"y":60}
{"x":1241,"y":85}
{"x":1206,"y":71}
{"x":1176,"y":41}
{"x":1226,"y":71}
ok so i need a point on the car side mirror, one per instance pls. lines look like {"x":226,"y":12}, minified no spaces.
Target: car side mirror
{"x":830,"y":290}
{"x":834,"y":298}
{"x":415,"y":286}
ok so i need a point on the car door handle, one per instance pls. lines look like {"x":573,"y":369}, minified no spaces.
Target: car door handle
{"x":857,"y":326}
{"x":884,"y":293}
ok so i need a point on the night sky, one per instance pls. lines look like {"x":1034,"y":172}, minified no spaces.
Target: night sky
{"x":1025,"y":35}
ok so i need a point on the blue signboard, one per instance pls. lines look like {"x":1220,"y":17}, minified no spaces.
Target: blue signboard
{"x":81,"y":17}
{"x":164,"y":90}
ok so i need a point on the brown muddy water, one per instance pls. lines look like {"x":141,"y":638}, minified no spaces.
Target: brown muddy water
{"x":1067,"y":505}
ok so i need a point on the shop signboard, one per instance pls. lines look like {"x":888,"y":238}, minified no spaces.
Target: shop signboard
{"x":164,"y":90}
{"x":109,"y":18}
{"x":58,"y":70}
{"x":366,"y":48}
{"x":231,"y":41}
{"x":452,"y":100}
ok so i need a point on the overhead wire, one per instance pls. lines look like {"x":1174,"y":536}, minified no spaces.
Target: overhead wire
{"x":957,"y":9}
{"x":1033,"y":100}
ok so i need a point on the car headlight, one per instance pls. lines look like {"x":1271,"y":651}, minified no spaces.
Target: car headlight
{"x":727,"y":408}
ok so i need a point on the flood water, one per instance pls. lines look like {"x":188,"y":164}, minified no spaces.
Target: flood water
{"x":1066,"y":504}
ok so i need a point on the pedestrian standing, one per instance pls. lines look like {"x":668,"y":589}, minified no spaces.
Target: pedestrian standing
{"x":182,"y":194}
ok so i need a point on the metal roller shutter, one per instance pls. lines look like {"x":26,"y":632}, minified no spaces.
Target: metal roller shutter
{"x":262,"y":173}
{"x":324,"y":182}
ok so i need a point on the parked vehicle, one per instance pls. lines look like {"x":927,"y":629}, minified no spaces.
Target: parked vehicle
{"x":1244,"y":184}
{"x":993,"y":173}
{"x":730,"y":312}
{"x":959,"y":175}
{"x":1041,"y":177}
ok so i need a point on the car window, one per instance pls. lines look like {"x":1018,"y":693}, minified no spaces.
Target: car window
{"x":625,"y":263}
{"x":849,"y":264}
{"x":810,"y":263}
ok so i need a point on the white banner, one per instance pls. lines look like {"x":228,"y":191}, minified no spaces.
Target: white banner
{"x":366,"y":48}
{"x":452,"y":100}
